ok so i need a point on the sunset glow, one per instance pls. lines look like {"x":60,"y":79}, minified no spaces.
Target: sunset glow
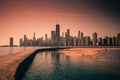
{"x":19,"y":17}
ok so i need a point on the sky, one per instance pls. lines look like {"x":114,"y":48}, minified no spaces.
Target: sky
{"x":20,"y":17}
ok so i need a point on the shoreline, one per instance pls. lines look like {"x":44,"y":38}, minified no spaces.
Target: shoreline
{"x":9,"y":64}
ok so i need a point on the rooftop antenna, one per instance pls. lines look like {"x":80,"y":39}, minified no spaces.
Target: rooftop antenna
{"x":57,"y":21}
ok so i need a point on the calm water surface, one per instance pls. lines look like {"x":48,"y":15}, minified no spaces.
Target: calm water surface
{"x":54,"y":65}
{"x":11,"y":50}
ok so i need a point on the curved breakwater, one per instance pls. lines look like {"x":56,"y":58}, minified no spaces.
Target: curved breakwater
{"x":23,"y":66}
{"x":95,"y":63}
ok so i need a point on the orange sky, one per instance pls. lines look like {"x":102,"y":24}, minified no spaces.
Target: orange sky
{"x":27,"y":16}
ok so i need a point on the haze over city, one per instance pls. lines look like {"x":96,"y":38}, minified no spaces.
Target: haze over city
{"x":21,"y":17}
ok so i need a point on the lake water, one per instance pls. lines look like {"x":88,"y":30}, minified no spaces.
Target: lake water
{"x":11,"y":50}
{"x":53,"y":65}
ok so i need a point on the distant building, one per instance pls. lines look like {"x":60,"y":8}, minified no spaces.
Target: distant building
{"x":94,"y":39}
{"x":87,"y":41}
{"x":25,"y":41}
{"x":46,"y":38}
{"x":100,"y":42}
{"x":75,"y":41}
{"x":53,"y":36}
{"x":118,"y":39}
{"x":21,"y":42}
{"x":34,"y":42}
{"x":57,"y":33}
{"x":79,"y":37}
{"x":110,"y":42}
{"x":82,"y":40}
{"x":114,"y":41}
{"x":78,"y":34}
{"x":11,"y":41}
{"x":82,"y":35}
{"x":105,"y":41}
{"x":67,"y":36}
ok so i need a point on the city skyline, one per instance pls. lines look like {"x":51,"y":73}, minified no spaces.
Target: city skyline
{"x":94,"y":36}
{"x":66,"y":39}
{"x":19,"y":17}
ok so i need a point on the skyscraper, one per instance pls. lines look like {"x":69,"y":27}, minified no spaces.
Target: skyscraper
{"x":78,"y":40}
{"x":100,"y":41}
{"x":34,"y":42}
{"x":118,"y":39}
{"x":82,"y":35}
{"x":25,"y":40}
{"x":78,"y":34}
{"x":53,"y":36}
{"x":20,"y":44}
{"x":46,"y":38}
{"x":87,"y":41}
{"x":67,"y":36}
{"x":34,"y":38}
{"x":11,"y":41}
{"x":57,"y":33}
{"x":94,"y":38}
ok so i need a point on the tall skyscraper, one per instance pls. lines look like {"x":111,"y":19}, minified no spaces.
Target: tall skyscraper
{"x":100,"y":41}
{"x":34,"y":38}
{"x":110,"y":42}
{"x":20,"y":43}
{"x":67,"y":36}
{"x":82,"y":35}
{"x":57,"y":33}
{"x":46,"y":38}
{"x":79,"y":37}
{"x":118,"y":39}
{"x":78,"y":34}
{"x":105,"y":41}
{"x":25,"y":40}
{"x":53,"y":36}
{"x":34,"y":42}
{"x":114,"y":41}
{"x":87,"y":41}
{"x":94,"y":39}
{"x":11,"y":41}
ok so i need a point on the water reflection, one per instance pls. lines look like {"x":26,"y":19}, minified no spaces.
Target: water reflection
{"x":55,"y":65}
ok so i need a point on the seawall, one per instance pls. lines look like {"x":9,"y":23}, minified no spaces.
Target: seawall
{"x":23,"y":66}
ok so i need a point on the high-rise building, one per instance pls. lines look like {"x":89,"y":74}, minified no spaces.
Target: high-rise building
{"x":118,"y":39}
{"x":21,"y":42}
{"x":53,"y":36}
{"x":75,"y":41}
{"x":78,"y":40}
{"x":11,"y":41}
{"x":34,"y":42}
{"x":67,"y":36}
{"x":82,"y":35}
{"x":34,"y":38}
{"x":105,"y":41}
{"x":100,"y":42}
{"x":81,"y":39}
{"x":87,"y":41}
{"x":46,"y":38}
{"x":110,"y":42}
{"x":114,"y":41}
{"x":25,"y":41}
{"x":78,"y":34}
{"x":94,"y":38}
{"x":57,"y":33}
